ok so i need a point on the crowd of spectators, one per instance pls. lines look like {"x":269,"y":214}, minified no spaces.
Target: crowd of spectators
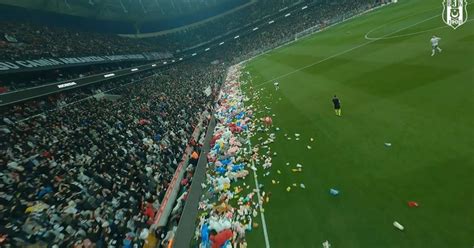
{"x":226,"y":24}
{"x":94,"y":173}
{"x":30,"y":41}
{"x":284,"y":29}
{"x":23,"y":40}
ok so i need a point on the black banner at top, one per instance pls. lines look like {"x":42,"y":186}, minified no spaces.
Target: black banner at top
{"x":52,"y":63}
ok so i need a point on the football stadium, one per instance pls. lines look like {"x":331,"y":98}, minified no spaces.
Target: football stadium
{"x":237,"y":123}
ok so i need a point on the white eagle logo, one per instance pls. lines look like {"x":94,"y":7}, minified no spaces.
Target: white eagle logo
{"x":454,"y":12}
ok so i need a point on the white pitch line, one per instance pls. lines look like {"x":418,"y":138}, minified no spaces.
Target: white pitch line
{"x":260,"y":200}
{"x":383,"y":36}
{"x":410,"y":34}
{"x":397,"y":20}
{"x":343,"y":52}
{"x":262,"y":215}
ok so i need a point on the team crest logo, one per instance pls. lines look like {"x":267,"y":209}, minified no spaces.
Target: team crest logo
{"x":454,"y":12}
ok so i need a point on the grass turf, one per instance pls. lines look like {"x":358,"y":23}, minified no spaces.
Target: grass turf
{"x":391,"y":91}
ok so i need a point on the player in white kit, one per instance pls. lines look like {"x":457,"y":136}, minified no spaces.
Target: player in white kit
{"x":434,"y":45}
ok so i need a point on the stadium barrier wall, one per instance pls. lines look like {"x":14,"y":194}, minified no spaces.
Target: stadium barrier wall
{"x":163,"y":213}
{"x":186,"y":226}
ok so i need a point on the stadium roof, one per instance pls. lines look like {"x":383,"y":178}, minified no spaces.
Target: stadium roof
{"x":126,"y":10}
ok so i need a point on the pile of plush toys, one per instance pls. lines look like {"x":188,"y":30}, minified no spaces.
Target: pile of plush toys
{"x":229,"y":205}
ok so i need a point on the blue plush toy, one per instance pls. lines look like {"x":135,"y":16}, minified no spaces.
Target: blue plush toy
{"x":216,"y":147}
{"x":240,"y":115}
{"x":226,"y":162}
{"x":221,"y":170}
{"x":237,"y":167}
{"x":205,"y":235}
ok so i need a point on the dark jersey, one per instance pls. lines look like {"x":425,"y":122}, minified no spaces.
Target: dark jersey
{"x":336,"y":102}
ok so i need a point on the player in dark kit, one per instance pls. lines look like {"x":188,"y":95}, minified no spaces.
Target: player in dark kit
{"x":337,"y":105}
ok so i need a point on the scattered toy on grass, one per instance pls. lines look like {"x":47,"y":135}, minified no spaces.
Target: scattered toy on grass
{"x":334,"y":192}
{"x":398,"y":226}
{"x":326,"y":244}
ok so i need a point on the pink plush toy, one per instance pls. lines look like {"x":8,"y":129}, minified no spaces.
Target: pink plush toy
{"x":267,"y":121}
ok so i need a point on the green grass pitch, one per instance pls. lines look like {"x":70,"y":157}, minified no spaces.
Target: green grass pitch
{"x":393,"y":91}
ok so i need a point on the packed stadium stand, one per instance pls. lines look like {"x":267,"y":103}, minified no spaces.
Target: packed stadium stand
{"x":86,"y":161}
